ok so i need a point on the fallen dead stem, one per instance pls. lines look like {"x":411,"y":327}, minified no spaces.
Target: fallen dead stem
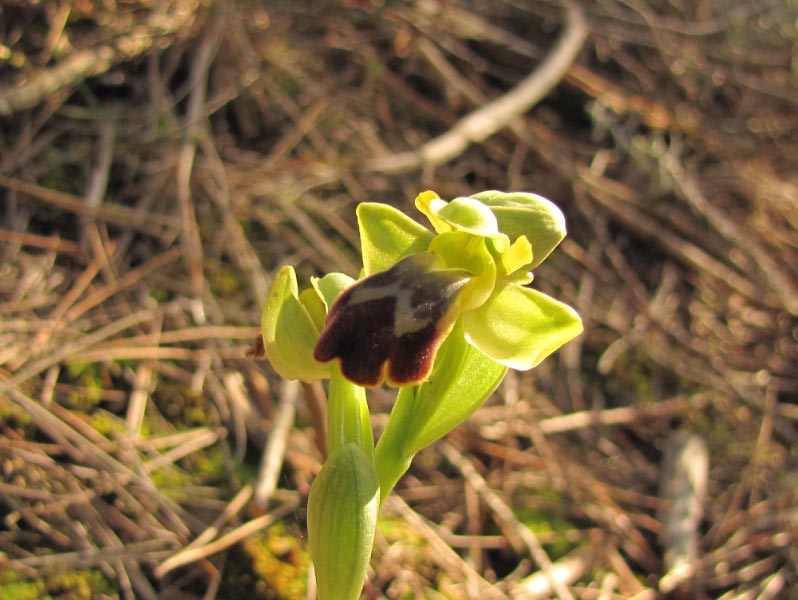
{"x":495,"y":115}
{"x":116,"y":214}
{"x":164,"y":159}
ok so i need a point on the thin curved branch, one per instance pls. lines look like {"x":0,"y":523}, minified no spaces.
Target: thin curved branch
{"x":495,"y":115}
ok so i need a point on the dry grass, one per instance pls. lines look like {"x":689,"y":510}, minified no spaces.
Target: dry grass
{"x":161,"y":159}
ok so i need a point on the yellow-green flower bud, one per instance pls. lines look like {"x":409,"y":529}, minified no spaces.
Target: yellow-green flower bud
{"x":291,"y":322}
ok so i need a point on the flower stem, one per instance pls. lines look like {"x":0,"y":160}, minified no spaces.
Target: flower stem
{"x":348,"y":415}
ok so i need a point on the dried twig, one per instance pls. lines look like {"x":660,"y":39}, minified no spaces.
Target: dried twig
{"x":227,"y":540}
{"x":782,"y":284}
{"x":75,"y":68}
{"x":685,"y":472}
{"x":443,"y":553}
{"x":185,"y":555}
{"x":195,"y":121}
{"x":152,"y":224}
{"x":487,"y":120}
{"x":567,"y":570}
{"x":273,"y":454}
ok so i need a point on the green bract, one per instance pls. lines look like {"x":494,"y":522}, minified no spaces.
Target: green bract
{"x":441,"y":314}
{"x":342,"y":519}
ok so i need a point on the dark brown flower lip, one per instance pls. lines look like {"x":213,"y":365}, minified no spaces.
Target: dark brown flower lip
{"x":389,"y":326}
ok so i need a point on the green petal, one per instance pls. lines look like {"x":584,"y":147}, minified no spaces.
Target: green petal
{"x":461,"y":214}
{"x":469,"y":215}
{"x":430,"y":203}
{"x":289,"y":332}
{"x":517,"y":256}
{"x":330,"y":287}
{"x":387,"y":235}
{"x":519,"y":327}
{"x":522,"y":213}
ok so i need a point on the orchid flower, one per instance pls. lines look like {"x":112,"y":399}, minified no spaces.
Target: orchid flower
{"x":389,"y":325}
{"x":441,"y":314}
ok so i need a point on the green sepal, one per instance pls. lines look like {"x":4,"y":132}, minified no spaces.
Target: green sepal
{"x":522,"y":213}
{"x":342,"y":517}
{"x":290,"y":331}
{"x":387,"y":235}
{"x":519,"y":327}
{"x":461,"y":214}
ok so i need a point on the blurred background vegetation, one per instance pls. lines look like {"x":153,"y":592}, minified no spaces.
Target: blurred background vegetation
{"x":160,"y":159}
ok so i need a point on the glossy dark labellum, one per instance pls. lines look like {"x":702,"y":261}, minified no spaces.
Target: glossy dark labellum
{"x":390,"y":325}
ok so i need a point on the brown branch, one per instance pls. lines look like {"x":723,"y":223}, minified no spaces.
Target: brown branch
{"x":56,"y":244}
{"x":71,"y":71}
{"x":492,"y":117}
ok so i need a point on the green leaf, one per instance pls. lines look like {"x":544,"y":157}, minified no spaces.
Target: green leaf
{"x":289,"y":332}
{"x":342,"y":517}
{"x":519,"y":327}
{"x":387,"y":235}
{"x":463,"y":378}
{"x":522,"y":213}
